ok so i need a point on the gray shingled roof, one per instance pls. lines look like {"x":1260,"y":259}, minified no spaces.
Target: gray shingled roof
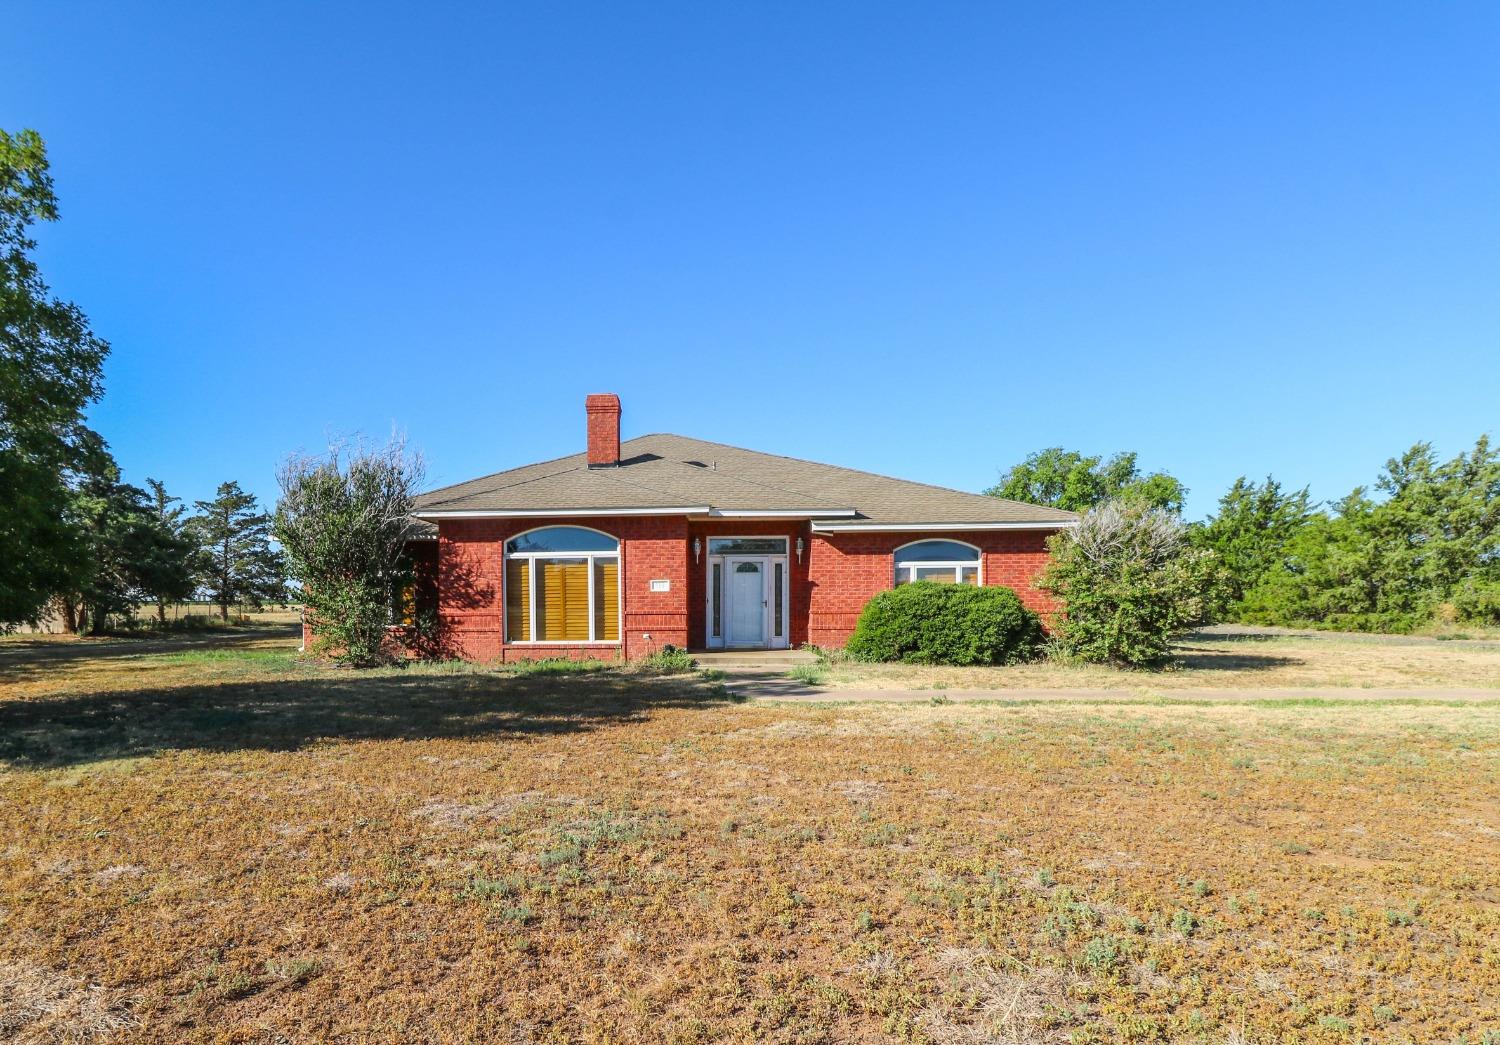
{"x":675,"y":472}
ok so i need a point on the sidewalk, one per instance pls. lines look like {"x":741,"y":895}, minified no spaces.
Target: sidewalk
{"x":780,"y":688}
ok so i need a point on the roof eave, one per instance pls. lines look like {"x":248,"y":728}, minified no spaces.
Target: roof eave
{"x":709,"y":510}
{"x":942,"y":527}
{"x":543,"y":513}
{"x":784,"y":513}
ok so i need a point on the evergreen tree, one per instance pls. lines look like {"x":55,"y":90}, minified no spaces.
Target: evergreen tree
{"x":1251,"y":530}
{"x":237,"y":562}
{"x":124,"y":554}
{"x":1431,"y":545}
{"x":167,"y":569}
{"x":1439,"y":524}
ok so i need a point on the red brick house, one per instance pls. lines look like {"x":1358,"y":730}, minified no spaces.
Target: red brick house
{"x":663,"y":539}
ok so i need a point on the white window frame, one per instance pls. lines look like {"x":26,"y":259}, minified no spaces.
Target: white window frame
{"x":785,"y":543}
{"x":956,"y":565}
{"x":532,"y":558}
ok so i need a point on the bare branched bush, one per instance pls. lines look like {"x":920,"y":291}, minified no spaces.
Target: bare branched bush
{"x":1130,"y":581}
{"x":343,"y":520}
{"x":1113,"y":531}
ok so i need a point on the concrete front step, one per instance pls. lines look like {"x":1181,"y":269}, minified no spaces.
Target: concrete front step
{"x":755,"y":660}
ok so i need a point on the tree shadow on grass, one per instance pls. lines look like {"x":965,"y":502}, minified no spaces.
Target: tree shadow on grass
{"x":24,"y":658}
{"x":288,"y":714}
{"x":1234,"y":636}
{"x":1207,"y":658}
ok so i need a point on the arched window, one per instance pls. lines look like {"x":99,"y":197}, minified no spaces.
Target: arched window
{"x":562,"y":584}
{"x":948,"y":562}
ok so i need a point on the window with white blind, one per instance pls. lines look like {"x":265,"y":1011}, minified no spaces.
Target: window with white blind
{"x":946,"y":562}
{"x":562,"y":585}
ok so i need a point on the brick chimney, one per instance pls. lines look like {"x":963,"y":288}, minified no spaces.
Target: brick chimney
{"x":604,"y":429}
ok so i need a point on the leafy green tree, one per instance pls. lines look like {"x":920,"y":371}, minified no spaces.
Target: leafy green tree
{"x":1130,"y":581}
{"x":1068,"y":480}
{"x":51,"y":368}
{"x":237,"y":562}
{"x":344,"y":520}
{"x":1250,"y":531}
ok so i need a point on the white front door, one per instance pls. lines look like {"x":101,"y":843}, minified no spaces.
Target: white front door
{"x":745,"y":601}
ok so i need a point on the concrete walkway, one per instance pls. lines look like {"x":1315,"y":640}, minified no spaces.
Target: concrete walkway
{"x":749,"y":687}
{"x":1254,"y":632}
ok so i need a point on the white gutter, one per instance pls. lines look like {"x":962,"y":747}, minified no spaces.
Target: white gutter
{"x":718,"y":513}
{"x":749,"y":513}
{"x":547,"y":513}
{"x":818,"y":527}
{"x":783,"y":513}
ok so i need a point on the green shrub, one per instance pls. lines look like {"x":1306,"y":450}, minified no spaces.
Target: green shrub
{"x":1103,"y":953}
{"x":558,"y":666}
{"x":1130,"y":582}
{"x":669,"y":660}
{"x":811,"y":674}
{"x":1478,"y":601}
{"x":827,"y":655}
{"x":928,"y":623}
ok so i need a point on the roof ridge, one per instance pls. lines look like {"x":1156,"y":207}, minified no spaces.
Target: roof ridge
{"x":745,"y":479}
{"x":617,"y":477}
{"x":507,"y":486}
{"x":517,"y":468}
{"x":853,"y":471}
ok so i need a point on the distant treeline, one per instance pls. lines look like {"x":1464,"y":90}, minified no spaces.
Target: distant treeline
{"x":1423,"y":550}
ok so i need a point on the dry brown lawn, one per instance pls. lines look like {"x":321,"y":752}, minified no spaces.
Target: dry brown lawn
{"x":219,"y":842}
{"x":1241,"y":659}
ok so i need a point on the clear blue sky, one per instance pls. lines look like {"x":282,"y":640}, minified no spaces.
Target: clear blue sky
{"x":920,"y":239}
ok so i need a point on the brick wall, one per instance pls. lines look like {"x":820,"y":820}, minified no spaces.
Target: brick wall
{"x":471,"y":569}
{"x":838,"y":574}
{"x":845,"y":570}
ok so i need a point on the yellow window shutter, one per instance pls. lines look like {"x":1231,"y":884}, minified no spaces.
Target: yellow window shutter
{"x":607,"y":600}
{"x":576,"y":617}
{"x":517,"y":601}
{"x":563,"y":601}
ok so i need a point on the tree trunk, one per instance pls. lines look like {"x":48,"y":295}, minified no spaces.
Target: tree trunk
{"x":69,"y":614}
{"x":161,"y":612}
{"x":224,"y":562}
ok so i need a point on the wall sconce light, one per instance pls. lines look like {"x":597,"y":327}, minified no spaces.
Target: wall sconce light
{"x":799,"y":549}
{"x":698,"y":547}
